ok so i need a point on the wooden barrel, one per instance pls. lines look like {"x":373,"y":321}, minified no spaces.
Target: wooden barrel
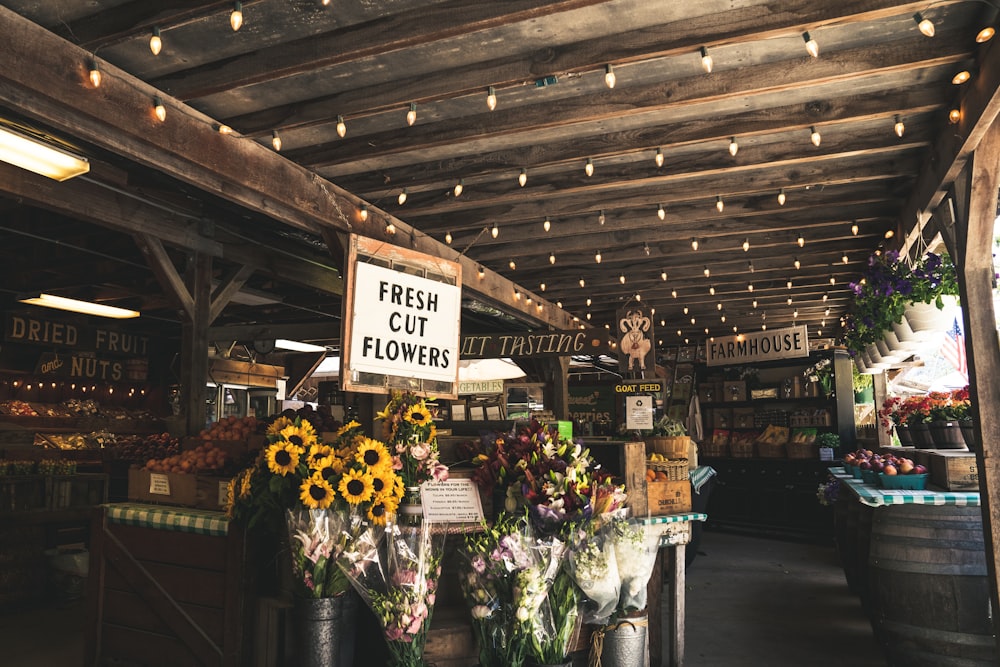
{"x":927,"y":568}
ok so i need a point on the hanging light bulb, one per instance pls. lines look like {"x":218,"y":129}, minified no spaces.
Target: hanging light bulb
{"x":658,"y":158}
{"x":364,"y":212}
{"x":711,"y":290}
{"x":222,"y":128}
{"x":844,"y":258}
{"x":889,"y":234}
{"x":609,"y":76}
{"x":811,"y":46}
{"x":763,"y":327}
{"x":899,"y":128}
{"x":341,"y":127}
{"x":447,"y":238}
{"x":801,"y":240}
{"x":275,"y":140}
{"x":601,"y":219}
{"x":517,"y":295}
{"x":621,"y":278}
{"x":924,"y":24}
{"x":663,"y":275}
{"x":660,"y":212}
{"x":750,"y":266}
{"x":390,"y":228}
{"x":986,"y":34}
{"x":789,"y":301}
{"x":854,"y":228}
{"x":589,"y":301}
{"x":693,"y":320}
{"x":411,"y":114}
{"x":694,"y":244}
{"x":826,"y":312}
{"x":718,"y":306}
{"x":797,"y":263}
{"x":95,"y":73}
{"x":236,"y":17}
{"x":961,"y":77}
{"x":583,"y":283}
{"x":707,"y":271}
{"x":795,"y":313}
{"x":723,"y":318}
{"x":781,"y":197}
{"x":719,"y":205}
{"x":814,"y":136}
{"x":954,"y":116}
{"x":522,"y":178}
{"x":750,"y":287}
{"x":788,"y":283}
{"x":552,"y":258}
{"x":685,"y":310}
{"x":825,"y":297}
{"x":547,"y":225}
{"x":588,"y":316}
{"x":833,"y":281}
{"x":541,"y":286}
{"x":588,"y":168}
{"x":746,"y":245}
{"x":512,"y":264}
{"x":645,"y":248}
{"x":706,"y":60}
{"x":155,"y":43}
{"x":401,"y":199}
{"x":494,"y":231}
{"x":159,"y":109}
{"x":673,"y":293}
{"x":459,"y":187}
{"x":755,"y":304}
{"x":491,"y":98}
{"x":597,"y":256}
{"x":733,"y":146}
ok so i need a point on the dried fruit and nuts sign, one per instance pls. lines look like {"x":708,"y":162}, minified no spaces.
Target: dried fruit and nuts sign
{"x":403,"y":319}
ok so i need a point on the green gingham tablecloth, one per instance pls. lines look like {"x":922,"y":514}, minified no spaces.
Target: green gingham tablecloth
{"x":876,"y":497}
{"x":183,"y":519}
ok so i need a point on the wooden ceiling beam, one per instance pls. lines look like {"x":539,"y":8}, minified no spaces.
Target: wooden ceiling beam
{"x":888,"y":58}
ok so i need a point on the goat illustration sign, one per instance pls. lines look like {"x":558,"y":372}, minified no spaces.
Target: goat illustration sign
{"x":636,"y":352}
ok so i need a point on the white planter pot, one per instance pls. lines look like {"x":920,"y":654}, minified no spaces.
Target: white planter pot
{"x":893,"y":343}
{"x":859,"y":363}
{"x":888,"y":356}
{"x":927,"y":318}
{"x":904,"y":333}
{"x":873,"y":360}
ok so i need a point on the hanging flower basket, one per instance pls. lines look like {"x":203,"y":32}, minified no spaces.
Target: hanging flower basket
{"x":927,"y":319}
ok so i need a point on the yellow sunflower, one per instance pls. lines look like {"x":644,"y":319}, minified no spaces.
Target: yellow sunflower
{"x":347,"y":427}
{"x":278,"y":424}
{"x":418,"y":415}
{"x":373,"y":454}
{"x":381,"y":506}
{"x":398,"y":489}
{"x":303,"y":435}
{"x":384,"y":480}
{"x":317,"y":453}
{"x":316,"y":493}
{"x":356,"y":487}
{"x":282,"y":457}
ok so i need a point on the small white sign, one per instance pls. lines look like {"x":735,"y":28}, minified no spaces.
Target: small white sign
{"x":159,"y":484}
{"x":453,"y":501}
{"x":639,"y":412}
{"x":223,"y":494}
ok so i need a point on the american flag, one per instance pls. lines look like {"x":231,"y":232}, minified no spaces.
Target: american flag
{"x":953,"y":349}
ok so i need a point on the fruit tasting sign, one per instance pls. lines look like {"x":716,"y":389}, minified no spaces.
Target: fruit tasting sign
{"x":402,"y":321}
{"x":790,"y":343}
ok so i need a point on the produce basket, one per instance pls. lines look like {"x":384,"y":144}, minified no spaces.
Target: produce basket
{"x":767,"y":450}
{"x":905,"y":482}
{"x":675,"y":469}
{"x":741,"y":450}
{"x":673,"y":447}
{"x":714,"y":449}
{"x":802,"y":450}
{"x":869,"y":477}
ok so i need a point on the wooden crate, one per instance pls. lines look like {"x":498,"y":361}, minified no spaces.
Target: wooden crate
{"x":627,"y":462}
{"x":954,"y":470}
{"x":672,"y":497}
{"x":184,"y":490}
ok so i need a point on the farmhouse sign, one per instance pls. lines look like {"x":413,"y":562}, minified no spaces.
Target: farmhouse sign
{"x":790,"y":343}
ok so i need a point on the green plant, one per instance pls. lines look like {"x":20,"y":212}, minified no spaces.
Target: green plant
{"x":828,"y":440}
{"x":859,"y":380}
{"x":668,"y":427}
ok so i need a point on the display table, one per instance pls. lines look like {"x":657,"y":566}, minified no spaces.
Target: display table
{"x":665,"y":593}
{"x":917,"y":560}
{"x":167,"y":586}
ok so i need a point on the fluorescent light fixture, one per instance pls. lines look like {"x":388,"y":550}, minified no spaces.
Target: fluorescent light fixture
{"x":86,"y":307}
{"x":27,"y":152}
{"x":297,"y":346}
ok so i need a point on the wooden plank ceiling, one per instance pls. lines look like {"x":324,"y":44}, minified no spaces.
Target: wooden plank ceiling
{"x":843,"y":137}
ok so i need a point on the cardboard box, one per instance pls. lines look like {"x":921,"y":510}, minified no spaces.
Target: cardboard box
{"x":187,"y":490}
{"x":734,"y":390}
{"x":722,"y":418}
{"x":954,"y":470}
{"x":669,"y":497}
{"x":743,"y":418}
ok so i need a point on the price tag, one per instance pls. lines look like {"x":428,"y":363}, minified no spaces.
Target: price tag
{"x":453,"y":501}
{"x":223,"y":494}
{"x":159,"y":484}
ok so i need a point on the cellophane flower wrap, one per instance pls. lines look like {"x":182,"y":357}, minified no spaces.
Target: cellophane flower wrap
{"x":408,"y":427}
{"x":636,"y":545}
{"x":323,"y":494}
{"x":594,"y":568}
{"x":395,"y":570}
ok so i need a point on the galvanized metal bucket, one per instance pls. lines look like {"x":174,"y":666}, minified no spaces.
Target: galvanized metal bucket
{"x":625,"y":643}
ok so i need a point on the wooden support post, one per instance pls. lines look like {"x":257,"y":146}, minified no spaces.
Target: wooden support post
{"x":976,"y":201}
{"x":194,"y":343}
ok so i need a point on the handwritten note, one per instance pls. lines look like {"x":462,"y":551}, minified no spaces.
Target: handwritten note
{"x":159,"y":484}
{"x":453,"y":501}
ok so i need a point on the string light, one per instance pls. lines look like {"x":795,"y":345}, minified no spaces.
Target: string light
{"x":222,"y":128}
{"x":755,"y":304}
{"x":547,"y":225}
{"x":797,"y":263}
{"x":513,"y":265}
{"x":854,"y":229}
{"x":155,"y":43}
{"x":411,"y":115}
{"x":597,"y":257}
{"x":781,"y":197}
{"x":673,"y":293}
{"x":733,"y":146}
{"x":825,"y":297}
{"x":341,"y":127}
{"x":694,"y":244}
{"x":811,"y":46}
{"x":746,"y":245}
{"x":364,"y":212}
{"x":494,"y":231}
{"x":986,"y":34}
{"x":663,"y":275}
{"x":961,"y":77}
{"x":491,"y":98}
{"x":600,"y":217}
{"x":588,"y":168}
{"x":889,"y":233}
{"x":706,"y":60}
{"x":833,"y":281}
{"x":660,"y":212}
{"x":621,"y":278}
{"x":541,"y":286}
{"x":482,"y":272}
{"x":899,"y":128}
{"x":814,"y":136}
{"x":459,"y":187}
{"x":801,"y":240}
{"x":924,"y":24}
{"x":390,"y":228}
{"x":719,"y":205}
{"x":711,"y":290}
{"x":789,"y":301}
{"x":159,"y":109}
{"x":401,"y":199}
{"x":788,"y":283}
{"x":583,"y":283}
{"x":275,"y":140}
{"x":707,"y":271}
{"x":750,"y":287}
{"x":645,"y":248}
{"x":236,"y":18}
{"x":658,"y":158}
{"x":609,"y":76}
{"x":844,"y":258}
{"x":552,"y":258}
{"x":522,"y":178}
{"x":685,"y":310}
{"x":95,"y":74}
{"x":447,"y":238}
{"x":954,"y":116}
{"x":750,"y":266}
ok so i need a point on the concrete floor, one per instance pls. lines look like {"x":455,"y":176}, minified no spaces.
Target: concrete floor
{"x":750,"y":602}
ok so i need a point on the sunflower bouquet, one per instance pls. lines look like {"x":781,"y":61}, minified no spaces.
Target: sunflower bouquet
{"x":323,"y":494}
{"x":409,"y":429}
